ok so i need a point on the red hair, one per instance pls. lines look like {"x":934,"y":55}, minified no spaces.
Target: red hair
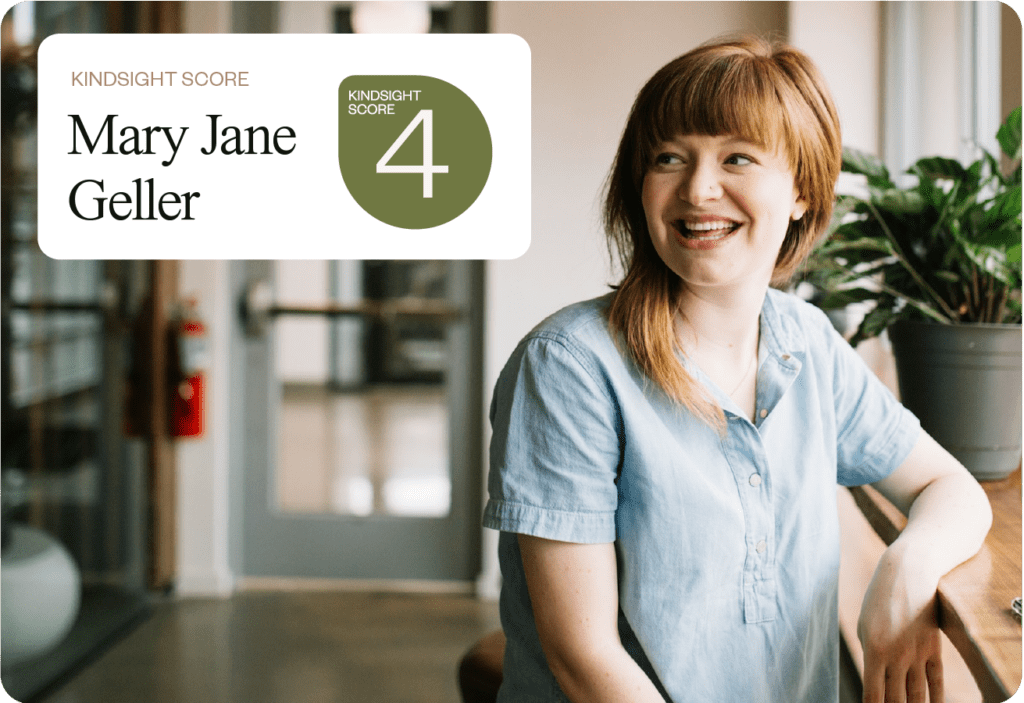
{"x":771,"y":95}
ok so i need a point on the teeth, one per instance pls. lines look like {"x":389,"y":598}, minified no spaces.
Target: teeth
{"x":707,"y":226}
{"x":707,"y":238}
{"x":706,"y":231}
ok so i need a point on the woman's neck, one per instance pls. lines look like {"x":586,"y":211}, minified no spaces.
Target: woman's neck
{"x":721,"y":334}
{"x":723,"y":320}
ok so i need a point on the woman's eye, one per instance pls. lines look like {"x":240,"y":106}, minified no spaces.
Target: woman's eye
{"x":666,"y":159}
{"x":739,"y":160}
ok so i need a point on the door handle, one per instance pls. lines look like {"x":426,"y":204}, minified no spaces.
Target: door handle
{"x":257,"y":308}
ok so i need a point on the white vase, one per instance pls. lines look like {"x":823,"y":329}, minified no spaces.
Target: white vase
{"x":40,"y":592}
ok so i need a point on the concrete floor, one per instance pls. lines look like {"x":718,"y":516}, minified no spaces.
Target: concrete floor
{"x":260,"y":647}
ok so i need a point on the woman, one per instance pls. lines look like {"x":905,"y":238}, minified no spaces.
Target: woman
{"x":664,"y":458}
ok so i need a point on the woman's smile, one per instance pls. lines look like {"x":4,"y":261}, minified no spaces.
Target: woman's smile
{"x":698,"y":234}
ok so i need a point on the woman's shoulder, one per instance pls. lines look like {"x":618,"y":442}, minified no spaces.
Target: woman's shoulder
{"x":575,"y":334}
{"x":587,"y":319}
{"x":797,"y":317}
{"x":804,"y":328}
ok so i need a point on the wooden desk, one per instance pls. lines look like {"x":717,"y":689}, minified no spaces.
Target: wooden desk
{"x":974,"y":598}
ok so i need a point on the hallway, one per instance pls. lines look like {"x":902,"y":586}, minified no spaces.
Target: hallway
{"x":274,"y":647}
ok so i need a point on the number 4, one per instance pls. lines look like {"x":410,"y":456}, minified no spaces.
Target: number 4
{"x":428,"y":169}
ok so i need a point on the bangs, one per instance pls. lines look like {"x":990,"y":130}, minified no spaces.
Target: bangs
{"x":733,"y":95}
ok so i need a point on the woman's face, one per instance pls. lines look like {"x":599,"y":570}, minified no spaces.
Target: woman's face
{"x":718,"y":208}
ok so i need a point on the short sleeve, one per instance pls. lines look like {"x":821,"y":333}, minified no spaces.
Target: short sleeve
{"x":555,"y":446}
{"x":875,"y":433}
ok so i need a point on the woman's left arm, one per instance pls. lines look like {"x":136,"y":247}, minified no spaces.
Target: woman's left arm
{"x":948,"y":516}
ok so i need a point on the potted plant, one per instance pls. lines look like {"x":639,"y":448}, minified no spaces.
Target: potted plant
{"x":939,"y":260}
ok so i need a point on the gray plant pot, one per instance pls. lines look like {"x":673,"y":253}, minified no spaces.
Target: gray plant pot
{"x":964,"y":383}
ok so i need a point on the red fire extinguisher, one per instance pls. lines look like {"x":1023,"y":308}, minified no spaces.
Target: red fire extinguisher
{"x":187,"y":415}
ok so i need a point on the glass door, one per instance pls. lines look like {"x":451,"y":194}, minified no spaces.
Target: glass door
{"x":74,"y":484}
{"x":366,"y":438}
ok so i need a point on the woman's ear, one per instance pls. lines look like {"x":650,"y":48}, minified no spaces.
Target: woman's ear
{"x":799,"y":208}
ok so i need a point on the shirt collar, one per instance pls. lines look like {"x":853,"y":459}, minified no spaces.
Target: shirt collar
{"x":781,"y":346}
{"x":781,"y":335}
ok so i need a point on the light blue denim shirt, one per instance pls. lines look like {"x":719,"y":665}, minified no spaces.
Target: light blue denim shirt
{"x":727,"y":547}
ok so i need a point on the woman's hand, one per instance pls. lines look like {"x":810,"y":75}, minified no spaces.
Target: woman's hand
{"x":900,"y":635}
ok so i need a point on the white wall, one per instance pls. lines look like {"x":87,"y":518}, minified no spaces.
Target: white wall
{"x":940,"y":120}
{"x":850,"y":63}
{"x":202,"y":462}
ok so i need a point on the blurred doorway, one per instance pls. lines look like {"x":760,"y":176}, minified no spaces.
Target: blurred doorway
{"x":364,"y":420}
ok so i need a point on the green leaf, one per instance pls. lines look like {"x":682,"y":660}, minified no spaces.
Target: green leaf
{"x":974,"y":170}
{"x":994,"y":262}
{"x":844,"y":205}
{"x":1013,"y":254}
{"x":900,"y":202}
{"x":1000,"y":224}
{"x":843,"y":240}
{"x":932,"y":194}
{"x":1009,"y":202}
{"x":1009,"y":134}
{"x":857,"y":161}
{"x":1011,"y":178}
{"x":842,"y":298}
{"x":939,"y":168}
{"x":875,"y":322}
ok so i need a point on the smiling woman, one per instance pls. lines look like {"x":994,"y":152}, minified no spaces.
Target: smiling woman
{"x":665,"y":458}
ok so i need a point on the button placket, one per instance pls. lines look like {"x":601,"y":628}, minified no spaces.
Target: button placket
{"x":745,"y":451}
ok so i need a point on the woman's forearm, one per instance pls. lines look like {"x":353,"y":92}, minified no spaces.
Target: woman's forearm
{"x":948,"y":516}
{"x":946,"y":526}
{"x":606,"y":676}
{"x":947,"y":520}
{"x":574,"y":594}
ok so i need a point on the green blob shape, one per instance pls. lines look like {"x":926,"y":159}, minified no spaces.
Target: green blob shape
{"x":458,"y":138}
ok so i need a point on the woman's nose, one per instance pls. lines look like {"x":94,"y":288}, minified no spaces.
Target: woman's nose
{"x":701,"y":183}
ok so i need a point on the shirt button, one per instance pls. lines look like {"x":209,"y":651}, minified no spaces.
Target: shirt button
{"x":755,"y":480}
{"x":763,"y":413}
{"x":761,"y":546}
{"x":785,"y":357}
